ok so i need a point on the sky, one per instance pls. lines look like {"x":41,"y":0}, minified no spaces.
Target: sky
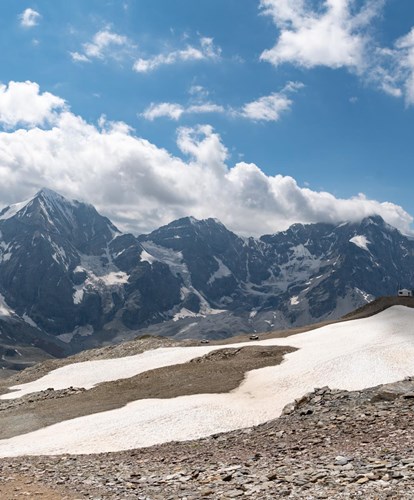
{"x":260,"y":113}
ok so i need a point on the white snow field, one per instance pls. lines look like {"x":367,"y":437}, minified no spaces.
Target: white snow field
{"x":351,"y":355}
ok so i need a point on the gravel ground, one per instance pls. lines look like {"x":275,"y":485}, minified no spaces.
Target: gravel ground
{"x":329,"y":444}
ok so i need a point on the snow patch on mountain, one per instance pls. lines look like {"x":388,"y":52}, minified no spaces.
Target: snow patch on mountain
{"x":185,"y":313}
{"x":221,"y":272}
{"x":78,"y":294}
{"x":82,"y":331}
{"x":29,"y":320}
{"x":115,"y":278}
{"x":360,"y":241}
{"x":12,"y":210}
{"x":294,"y":301}
{"x":168,"y":256}
{"x":300,"y":267}
{"x":146,"y":257}
{"x":5,"y":309}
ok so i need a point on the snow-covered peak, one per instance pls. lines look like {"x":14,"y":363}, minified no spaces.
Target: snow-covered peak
{"x":49,"y":193}
{"x":12,"y":210}
{"x":47,"y":198}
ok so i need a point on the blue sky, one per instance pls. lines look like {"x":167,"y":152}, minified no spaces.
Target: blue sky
{"x":258,"y":112}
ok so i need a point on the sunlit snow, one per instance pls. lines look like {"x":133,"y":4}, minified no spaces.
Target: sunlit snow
{"x":361,"y":242}
{"x":5,"y":309}
{"x":351,"y":355}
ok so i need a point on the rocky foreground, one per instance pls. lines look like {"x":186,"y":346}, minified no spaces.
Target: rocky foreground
{"x":329,"y":444}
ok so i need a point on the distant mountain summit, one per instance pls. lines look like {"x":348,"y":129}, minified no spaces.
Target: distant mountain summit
{"x":69,"y":279}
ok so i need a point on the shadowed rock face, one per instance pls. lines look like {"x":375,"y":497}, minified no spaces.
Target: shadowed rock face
{"x":70,"y":280}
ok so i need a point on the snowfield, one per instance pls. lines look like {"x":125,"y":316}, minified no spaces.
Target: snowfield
{"x":351,"y":355}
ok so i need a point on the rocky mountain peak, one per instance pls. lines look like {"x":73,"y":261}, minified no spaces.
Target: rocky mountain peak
{"x":51,"y":214}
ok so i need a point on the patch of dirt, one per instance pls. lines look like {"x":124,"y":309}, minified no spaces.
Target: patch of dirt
{"x":217,"y":372}
{"x":136,"y":346}
{"x":18,"y":486}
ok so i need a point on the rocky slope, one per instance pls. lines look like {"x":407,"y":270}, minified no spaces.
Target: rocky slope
{"x":329,"y":444}
{"x":70,"y":280}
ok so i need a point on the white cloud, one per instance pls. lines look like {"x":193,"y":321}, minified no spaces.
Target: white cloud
{"x":205,"y":51}
{"x":206,"y":107}
{"x":78,"y":57}
{"x":405,"y":61}
{"x":331,"y":33}
{"x":163,"y":109}
{"x":392,"y":69}
{"x":175,"y":111}
{"x":270,"y":108}
{"x":105,"y":44}
{"x":21,"y":103}
{"x":335,"y":34}
{"x":29,"y":18}
{"x":141,"y":186}
{"x":199,"y":92}
{"x":267,"y":108}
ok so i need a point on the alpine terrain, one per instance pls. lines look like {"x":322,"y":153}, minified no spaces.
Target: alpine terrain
{"x":69,"y":279}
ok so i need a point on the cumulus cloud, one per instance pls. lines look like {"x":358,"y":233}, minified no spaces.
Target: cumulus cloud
{"x":205,"y":51}
{"x":105,"y":44}
{"x":270,"y":108}
{"x":163,"y":110}
{"x":141,"y":186}
{"x":22,"y":103}
{"x":29,"y":18}
{"x":331,"y":33}
{"x":336,"y":34}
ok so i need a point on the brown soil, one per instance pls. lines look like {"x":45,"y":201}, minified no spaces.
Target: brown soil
{"x":218,"y":372}
{"x":18,"y":486}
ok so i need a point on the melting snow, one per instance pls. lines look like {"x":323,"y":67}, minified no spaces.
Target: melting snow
{"x":115,"y":278}
{"x":78,"y":294}
{"x":185,"y":313}
{"x":170,"y":257}
{"x":29,"y":320}
{"x":83,"y":331}
{"x":351,"y":355}
{"x":294,"y":301}
{"x":146,"y":257}
{"x":221,"y":272}
{"x":5,"y":309}
{"x":361,"y":242}
{"x":188,"y":327}
{"x":99,"y":275}
{"x":12,"y":210}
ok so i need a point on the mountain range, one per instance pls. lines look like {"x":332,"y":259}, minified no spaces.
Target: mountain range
{"x":70,"y":280}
